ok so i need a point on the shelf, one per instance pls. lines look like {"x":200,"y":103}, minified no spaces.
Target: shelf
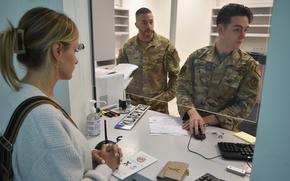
{"x":122,"y":13}
{"x":121,"y":33}
{"x":120,"y":9}
{"x":262,"y":15}
{"x":121,"y":25}
{"x":251,"y":26}
{"x":254,"y":15}
{"x":121,"y":16}
{"x":259,"y":26}
{"x":258,"y":35}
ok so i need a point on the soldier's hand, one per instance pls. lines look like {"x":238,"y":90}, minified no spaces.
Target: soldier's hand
{"x":194,"y":121}
{"x":211,"y":120}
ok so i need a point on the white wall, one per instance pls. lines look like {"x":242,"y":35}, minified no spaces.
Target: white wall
{"x":193,"y":26}
{"x":13,"y":10}
{"x":160,"y":10}
{"x":80,"y":86}
{"x":73,"y":95}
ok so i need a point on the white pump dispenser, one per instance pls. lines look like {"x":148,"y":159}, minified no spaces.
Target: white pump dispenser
{"x":93,"y":120}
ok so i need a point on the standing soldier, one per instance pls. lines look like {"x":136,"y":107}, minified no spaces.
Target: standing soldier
{"x":156,"y":59}
{"x":220,"y":82}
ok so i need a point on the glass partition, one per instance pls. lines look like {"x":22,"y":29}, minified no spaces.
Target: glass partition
{"x":226,"y":95}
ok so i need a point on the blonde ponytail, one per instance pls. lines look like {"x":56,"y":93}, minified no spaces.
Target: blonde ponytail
{"x":7,"y":43}
{"x":37,"y":30}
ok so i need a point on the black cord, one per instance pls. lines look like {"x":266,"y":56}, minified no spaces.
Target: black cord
{"x":250,"y":166}
{"x":207,"y":158}
{"x":248,"y":163}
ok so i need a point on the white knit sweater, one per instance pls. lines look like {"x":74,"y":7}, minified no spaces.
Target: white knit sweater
{"x":48,"y":146}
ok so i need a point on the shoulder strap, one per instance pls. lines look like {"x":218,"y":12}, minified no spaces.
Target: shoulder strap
{"x":16,"y":120}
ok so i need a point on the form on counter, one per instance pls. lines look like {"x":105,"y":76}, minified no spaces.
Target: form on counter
{"x":134,"y":164}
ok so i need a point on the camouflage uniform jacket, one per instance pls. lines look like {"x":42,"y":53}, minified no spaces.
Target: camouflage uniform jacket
{"x":155,"y":62}
{"x":227,"y":87}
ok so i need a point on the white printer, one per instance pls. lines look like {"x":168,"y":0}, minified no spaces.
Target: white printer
{"x":111,"y":84}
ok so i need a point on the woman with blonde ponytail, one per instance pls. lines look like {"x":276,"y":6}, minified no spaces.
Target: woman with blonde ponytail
{"x":48,"y":146}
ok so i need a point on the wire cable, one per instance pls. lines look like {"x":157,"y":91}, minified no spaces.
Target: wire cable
{"x":207,"y":158}
{"x":248,"y":163}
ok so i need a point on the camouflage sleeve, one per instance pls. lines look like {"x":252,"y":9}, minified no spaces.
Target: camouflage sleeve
{"x":246,"y":99}
{"x":122,"y":57}
{"x":184,"y":91}
{"x":172,"y":68}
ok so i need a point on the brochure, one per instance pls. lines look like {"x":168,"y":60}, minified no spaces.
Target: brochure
{"x":134,"y":164}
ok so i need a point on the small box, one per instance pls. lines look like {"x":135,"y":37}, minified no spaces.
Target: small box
{"x":173,"y":171}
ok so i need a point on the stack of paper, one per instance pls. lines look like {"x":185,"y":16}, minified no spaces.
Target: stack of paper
{"x":166,"y":125}
{"x":126,"y":69}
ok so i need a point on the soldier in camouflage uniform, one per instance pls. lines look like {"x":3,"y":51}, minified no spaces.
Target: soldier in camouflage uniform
{"x":156,"y":59}
{"x":220,"y":83}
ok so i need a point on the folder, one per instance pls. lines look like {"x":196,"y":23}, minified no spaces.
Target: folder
{"x":246,"y":137}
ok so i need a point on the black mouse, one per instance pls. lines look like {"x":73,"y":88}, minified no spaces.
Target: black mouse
{"x":200,"y":135}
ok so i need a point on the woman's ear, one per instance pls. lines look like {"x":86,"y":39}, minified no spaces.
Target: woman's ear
{"x":57,"y":51}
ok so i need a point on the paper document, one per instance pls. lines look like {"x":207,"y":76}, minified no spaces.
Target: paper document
{"x":100,"y":72}
{"x":133,"y":164}
{"x":125,"y":68}
{"x":246,"y":137}
{"x":166,"y":125}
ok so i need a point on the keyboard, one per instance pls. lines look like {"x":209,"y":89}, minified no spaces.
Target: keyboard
{"x":208,"y":177}
{"x":236,"y":151}
{"x":129,"y":121}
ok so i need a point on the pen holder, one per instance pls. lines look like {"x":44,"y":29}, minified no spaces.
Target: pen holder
{"x":122,"y":104}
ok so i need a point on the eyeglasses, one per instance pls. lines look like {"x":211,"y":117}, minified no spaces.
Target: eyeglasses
{"x":80,"y":47}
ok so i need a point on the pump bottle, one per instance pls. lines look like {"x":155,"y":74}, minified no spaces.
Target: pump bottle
{"x":94,"y":120}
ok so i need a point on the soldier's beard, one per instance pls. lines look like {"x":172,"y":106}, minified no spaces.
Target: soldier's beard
{"x":148,"y":34}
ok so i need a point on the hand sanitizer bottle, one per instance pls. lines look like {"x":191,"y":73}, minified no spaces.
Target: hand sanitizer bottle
{"x":93,"y":121}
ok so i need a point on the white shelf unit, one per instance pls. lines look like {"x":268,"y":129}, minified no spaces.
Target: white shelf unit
{"x":121,"y":21}
{"x":121,"y":17}
{"x":258,"y":33}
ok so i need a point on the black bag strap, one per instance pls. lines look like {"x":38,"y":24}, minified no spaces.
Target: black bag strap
{"x":16,"y":120}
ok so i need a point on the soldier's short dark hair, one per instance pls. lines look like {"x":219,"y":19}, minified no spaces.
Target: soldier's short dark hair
{"x":228,"y":11}
{"x":142,"y":11}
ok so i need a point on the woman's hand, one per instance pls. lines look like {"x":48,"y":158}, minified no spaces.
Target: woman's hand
{"x":110,"y":154}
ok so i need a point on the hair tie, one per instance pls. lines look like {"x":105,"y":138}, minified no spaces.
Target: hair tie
{"x":19,"y":47}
